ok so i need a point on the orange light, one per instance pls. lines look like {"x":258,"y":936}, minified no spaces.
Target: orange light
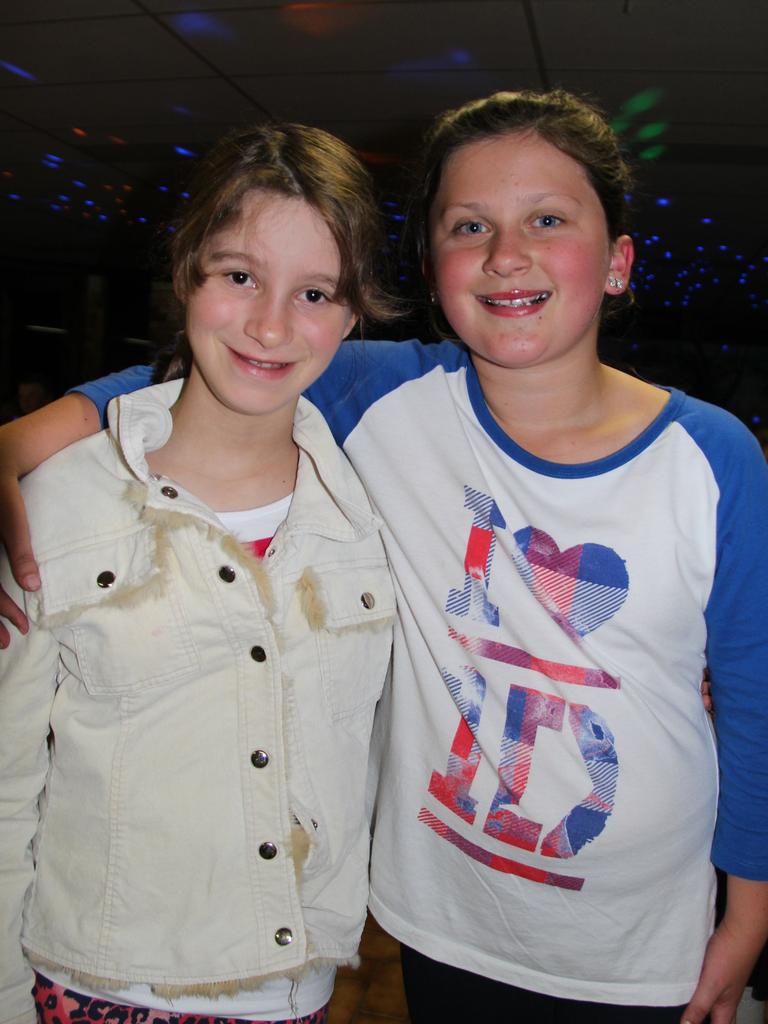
{"x":127,"y":188}
{"x":79,"y":132}
{"x":7,"y":174}
{"x":117,"y":140}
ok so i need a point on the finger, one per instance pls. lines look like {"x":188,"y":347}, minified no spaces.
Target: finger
{"x":11,"y":611}
{"x":15,"y":536}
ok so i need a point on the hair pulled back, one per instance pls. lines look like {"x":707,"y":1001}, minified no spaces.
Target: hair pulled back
{"x":576,"y":126}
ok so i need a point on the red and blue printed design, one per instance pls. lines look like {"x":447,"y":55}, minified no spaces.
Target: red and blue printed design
{"x":581,"y":588}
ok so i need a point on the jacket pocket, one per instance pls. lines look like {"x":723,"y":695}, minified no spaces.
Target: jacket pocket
{"x":125,"y":614}
{"x":355,"y":641}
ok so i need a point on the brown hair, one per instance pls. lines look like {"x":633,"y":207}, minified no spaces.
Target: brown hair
{"x":574,"y":125}
{"x":292,"y":160}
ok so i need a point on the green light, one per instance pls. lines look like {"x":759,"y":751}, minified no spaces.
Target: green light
{"x":621,"y":124}
{"x":643,"y":101}
{"x":650,"y":131}
{"x":652,"y":152}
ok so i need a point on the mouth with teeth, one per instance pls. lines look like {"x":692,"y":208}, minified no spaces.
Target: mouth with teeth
{"x":515,"y":300}
{"x":265,"y":368}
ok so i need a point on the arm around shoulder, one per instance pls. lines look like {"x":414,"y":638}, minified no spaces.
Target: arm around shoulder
{"x":24,"y":444}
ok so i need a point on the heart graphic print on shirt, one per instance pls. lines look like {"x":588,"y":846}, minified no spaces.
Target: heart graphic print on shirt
{"x":581,"y":587}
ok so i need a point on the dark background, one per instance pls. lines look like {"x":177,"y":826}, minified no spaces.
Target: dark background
{"x":104,"y":103}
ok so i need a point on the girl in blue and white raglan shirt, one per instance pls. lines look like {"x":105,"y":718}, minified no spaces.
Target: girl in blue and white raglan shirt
{"x":571,"y":546}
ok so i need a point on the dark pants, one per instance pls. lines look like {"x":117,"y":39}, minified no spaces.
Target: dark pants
{"x":440,"y":994}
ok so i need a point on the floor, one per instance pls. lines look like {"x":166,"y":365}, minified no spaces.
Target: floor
{"x":372,"y":994}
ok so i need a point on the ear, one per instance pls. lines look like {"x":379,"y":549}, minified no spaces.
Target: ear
{"x":351,"y":321}
{"x":622,"y":258}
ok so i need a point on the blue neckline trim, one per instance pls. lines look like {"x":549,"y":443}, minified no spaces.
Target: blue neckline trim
{"x":567,"y":470}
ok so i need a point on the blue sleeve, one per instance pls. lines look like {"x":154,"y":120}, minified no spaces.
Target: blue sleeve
{"x":102,"y":391}
{"x":737,"y":644}
{"x":362,"y":372}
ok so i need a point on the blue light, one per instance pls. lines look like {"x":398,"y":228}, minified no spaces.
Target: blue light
{"x":87,"y":202}
{"x":54,"y":206}
{"x":15,"y":70}
{"x":183,"y":152}
{"x":738,"y":256}
{"x":52,"y":156}
{"x":14,"y":195}
{"x":756,"y":419}
{"x":725,"y":347}
{"x":102,"y":216}
{"x":661,"y":201}
{"x":628,"y":197}
{"x":142,"y":220}
{"x":655,"y":238}
{"x":79,"y":184}
{"x":162,"y":188}
{"x":184,"y":195}
{"x":706,"y":220}
{"x":181,"y":110}
{"x":715,"y":280}
{"x":460,"y":57}
{"x":699,"y":248}
{"x":667,"y":302}
{"x":51,"y":164}
{"x":723,"y":248}
{"x":202,"y":25}
{"x":64,"y":199}
{"x":667,"y":255}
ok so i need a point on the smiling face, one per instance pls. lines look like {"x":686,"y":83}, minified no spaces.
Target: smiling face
{"x":519,"y":253}
{"x":263,"y":324}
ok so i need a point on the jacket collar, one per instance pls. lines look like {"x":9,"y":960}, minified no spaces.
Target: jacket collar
{"x":328,"y":499}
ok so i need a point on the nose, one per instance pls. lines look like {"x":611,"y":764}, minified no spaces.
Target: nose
{"x":267,"y":321}
{"x":508,"y":252}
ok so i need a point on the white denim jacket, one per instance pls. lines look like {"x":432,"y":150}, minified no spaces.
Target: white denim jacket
{"x":184,"y":732}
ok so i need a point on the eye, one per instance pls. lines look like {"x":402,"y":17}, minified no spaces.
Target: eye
{"x":547,"y":220}
{"x":314,"y":295}
{"x":239,"y":277}
{"x":470,"y":227}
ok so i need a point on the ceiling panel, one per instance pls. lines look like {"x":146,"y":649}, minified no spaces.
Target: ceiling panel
{"x":96,"y":49}
{"x":60,"y":108}
{"x":397,"y":97}
{"x":57,"y":10}
{"x":361,"y":37}
{"x":654,"y":34}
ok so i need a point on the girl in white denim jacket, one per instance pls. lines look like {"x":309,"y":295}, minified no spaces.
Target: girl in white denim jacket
{"x":185,"y":728}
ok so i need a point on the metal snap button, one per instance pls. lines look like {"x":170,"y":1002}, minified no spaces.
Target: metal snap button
{"x":259,"y":759}
{"x":169,"y":492}
{"x":227,"y":573}
{"x":258,"y":654}
{"x":267,"y":851}
{"x":283,"y":936}
{"x":270,"y":552}
{"x":367,"y":600}
{"x":105,"y":579}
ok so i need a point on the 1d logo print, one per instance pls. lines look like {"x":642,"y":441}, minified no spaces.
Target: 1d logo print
{"x":581,"y":588}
